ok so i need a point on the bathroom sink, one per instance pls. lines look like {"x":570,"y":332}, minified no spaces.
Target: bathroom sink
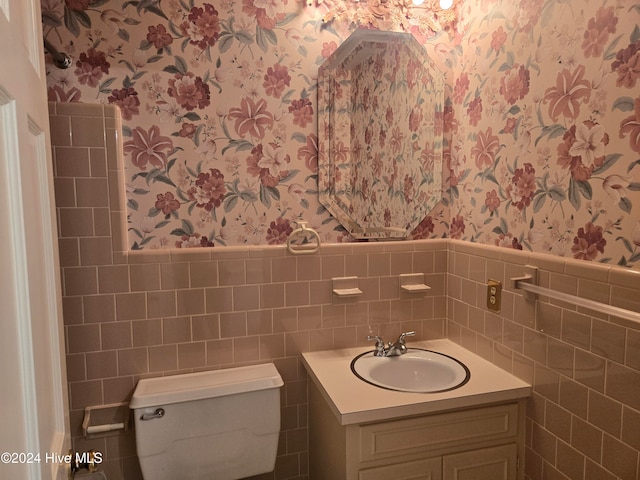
{"x":417,"y":371}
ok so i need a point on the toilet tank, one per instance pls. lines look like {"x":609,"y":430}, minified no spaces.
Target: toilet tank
{"x":221,"y":424}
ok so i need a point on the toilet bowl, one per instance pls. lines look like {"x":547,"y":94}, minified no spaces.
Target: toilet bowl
{"x":221,"y":424}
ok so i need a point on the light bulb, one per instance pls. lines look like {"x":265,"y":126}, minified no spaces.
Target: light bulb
{"x":446,"y":4}
{"x":418,"y":2}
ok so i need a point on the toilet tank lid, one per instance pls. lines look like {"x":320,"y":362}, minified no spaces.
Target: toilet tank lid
{"x":187,"y":387}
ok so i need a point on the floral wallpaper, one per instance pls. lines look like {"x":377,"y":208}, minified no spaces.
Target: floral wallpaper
{"x":380,"y":104}
{"x":542,"y":121}
{"x":218,"y":100}
{"x":545,"y":121}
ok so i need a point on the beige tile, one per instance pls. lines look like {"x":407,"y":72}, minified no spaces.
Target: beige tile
{"x":219,"y":352}
{"x":285,"y":320}
{"x":133,"y":361}
{"x":113,"y":279}
{"x":283,"y":269}
{"x":80,"y":109}
{"x":296,"y":294}
{"x":87,"y":132}
{"x":246,"y":297}
{"x":205,"y":327}
{"x":379,"y":264}
{"x":102,"y":222}
{"x":356,"y":265}
{"x":76,"y":369}
{"x":101,"y":365}
{"x":174,"y":275}
{"x":99,"y":308}
{"x":72,"y":162}
{"x":423,"y":262}
{"x":80,"y":281}
{"x":310,"y":318}
{"x":586,"y":438}
{"x":608,"y":340}
{"x":85,"y":394}
{"x":619,"y":458}
{"x":569,"y":461}
{"x":190,"y":302}
{"x":192,"y":355}
{"x":246,"y":349}
{"x":60,"y":127}
{"x":219,"y":299}
{"x":72,"y":313}
{"x":334,"y":266}
{"x":574,"y":397}
{"x":605,"y":413}
{"x":401,"y":262}
{"x":116,"y":335}
{"x":69,"y":252}
{"x":272,"y":346}
{"x":576,"y":329}
{"x":231,"y":272}
{"x":204,"y":274}
{"x":98,"y":162}
{"x":309,"y":267}
{"x":176,"y":330}
{"x":95,"y":251}
{"x":633,"y":349}
{"x":76,"y":222}
{"x":146,"y":332}
{"x":272,"y":295}
{"x":233,"y":325}
{"x":92,"y":192}
{"x":65,"y":192}
{"x":144,"y":277}
{"x":590,"y":370}
{"x":83,"y":338}
{"x":260,"y":322}
{"x":623,"y":384}
{"x":163,"y":358}
{"x":131,"y":306}
{"x":161,"y":304}
{"x":258,"y":270}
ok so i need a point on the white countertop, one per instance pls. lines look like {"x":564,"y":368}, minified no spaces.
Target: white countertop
{"x":355,"y":401}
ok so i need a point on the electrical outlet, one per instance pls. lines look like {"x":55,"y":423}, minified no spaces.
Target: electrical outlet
{"x":494,"y":295}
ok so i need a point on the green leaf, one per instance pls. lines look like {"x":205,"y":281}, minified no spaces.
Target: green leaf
{"x":574,"y":195}
{"x":609,"y":160}
{"x":538,"y":202}
{"x":557,"y":194}
{"x":625,"y":204}
{"x":585,"y":189}
{"x":71,"y":23}
{"x":625,"y":104}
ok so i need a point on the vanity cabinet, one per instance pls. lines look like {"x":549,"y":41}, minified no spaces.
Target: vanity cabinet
{"x":476,"y":443}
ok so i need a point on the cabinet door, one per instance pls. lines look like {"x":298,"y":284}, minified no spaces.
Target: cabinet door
{"x":427,"y":469}
{"x":495,"y":463}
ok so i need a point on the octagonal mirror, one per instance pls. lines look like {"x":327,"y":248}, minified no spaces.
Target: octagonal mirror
{"x":380,"y":144}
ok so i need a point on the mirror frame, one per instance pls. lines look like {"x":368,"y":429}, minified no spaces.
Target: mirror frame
{"x":339,"y":138}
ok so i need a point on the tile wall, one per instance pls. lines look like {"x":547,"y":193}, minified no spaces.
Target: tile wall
{"x":583,"y":420}
{"x":128,"y":316}
{"x":153,"y":313}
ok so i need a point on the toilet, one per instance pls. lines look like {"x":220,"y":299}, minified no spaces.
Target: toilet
{"x":215,"y":425}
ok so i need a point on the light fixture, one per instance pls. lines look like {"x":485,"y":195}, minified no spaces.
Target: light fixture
{"x":418,"y":2}
{"x":446,"y":4}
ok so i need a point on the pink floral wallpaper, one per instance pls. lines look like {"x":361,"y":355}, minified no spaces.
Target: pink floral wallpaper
{"x":219,"y":103}
{"x":545,"y":119}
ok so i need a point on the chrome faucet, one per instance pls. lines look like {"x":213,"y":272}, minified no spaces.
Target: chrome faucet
{"x":392,"y":349}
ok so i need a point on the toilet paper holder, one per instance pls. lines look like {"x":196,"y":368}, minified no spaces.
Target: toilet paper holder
{"x":105,"y":420}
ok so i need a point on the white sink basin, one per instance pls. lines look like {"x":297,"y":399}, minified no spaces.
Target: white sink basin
{"x":417,"y":371}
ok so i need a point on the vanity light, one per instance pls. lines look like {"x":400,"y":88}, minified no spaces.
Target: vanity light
{"x":418,"y":2}
{"x":446,"y":4}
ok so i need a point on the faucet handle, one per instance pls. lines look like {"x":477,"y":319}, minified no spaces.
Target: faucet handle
{"x":406,"y":334}
{"x":380,"y":349}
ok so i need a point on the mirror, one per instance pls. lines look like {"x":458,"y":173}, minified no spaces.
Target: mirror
{"x":380,"y":139}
